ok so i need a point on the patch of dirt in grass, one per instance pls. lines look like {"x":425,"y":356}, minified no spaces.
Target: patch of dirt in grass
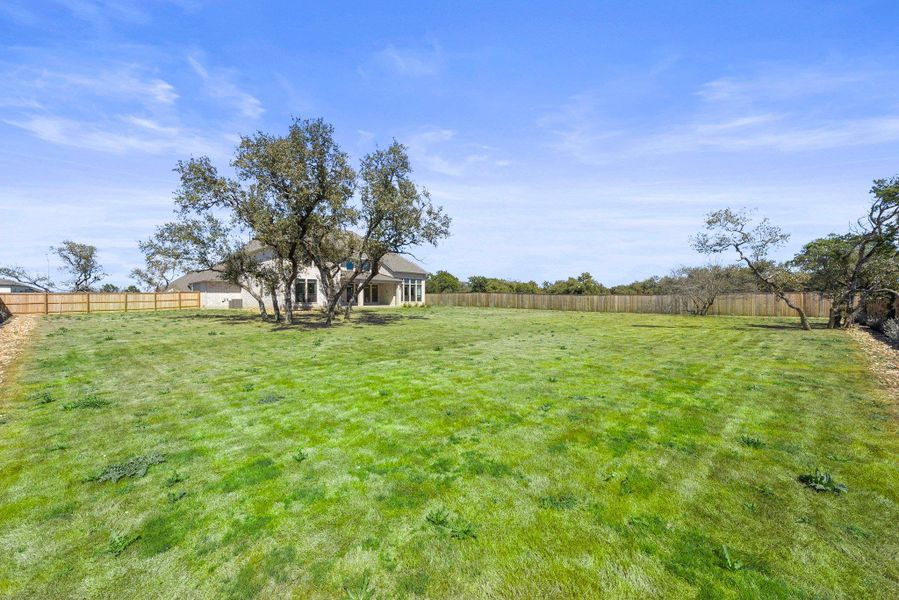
{"x":13,"y":335}
{"x":883,"y":358}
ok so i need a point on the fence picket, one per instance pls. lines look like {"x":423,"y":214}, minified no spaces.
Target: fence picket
{"x":747,"y":305}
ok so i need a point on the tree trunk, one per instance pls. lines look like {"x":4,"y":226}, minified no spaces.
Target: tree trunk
{"x":262,"y":312}
{"x":288,"y":302}
{"x":275,"y":307}
{"x":803,"y":320}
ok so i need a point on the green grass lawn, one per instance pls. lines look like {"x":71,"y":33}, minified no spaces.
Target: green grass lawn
{"x":445,"y":453}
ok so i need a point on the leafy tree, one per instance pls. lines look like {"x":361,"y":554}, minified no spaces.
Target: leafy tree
{"x":443,"y":281}
{"x":132,"y":289}
{"x":17,"y":273}
{"x":285,"y":185}
{"x":649,"y":286}
{"x":207,"y":243}
{"x":162,"y":265}
{"x":394,"y":214}
{"x":80,"y":262}
{"x":583,"y":284}
{"x":702,"y":285}
{"x":851,"y":268}
{"x":109,"y":288}
{"x":481,"y":284}
{"x":732,"y":230}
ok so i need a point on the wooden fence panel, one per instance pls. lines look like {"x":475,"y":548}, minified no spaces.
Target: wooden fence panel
{"x":747,"y":305}
{"x":49,"y":304}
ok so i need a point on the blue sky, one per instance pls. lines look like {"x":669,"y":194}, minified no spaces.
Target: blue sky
{"x":561,"y":137}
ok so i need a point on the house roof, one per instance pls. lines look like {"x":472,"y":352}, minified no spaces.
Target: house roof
{"x":181,"y":284}
{"x":400,"y":264}
{"x":11,"y":282}
{"x":361,"y":277}
{"x":394,"y":263}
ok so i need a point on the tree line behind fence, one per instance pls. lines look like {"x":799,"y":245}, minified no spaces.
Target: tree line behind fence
{"x":748,"y":305}
{"x":76,"y":302}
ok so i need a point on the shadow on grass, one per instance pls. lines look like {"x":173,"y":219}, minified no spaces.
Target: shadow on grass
{"x":302,"y":320}
{"x":795,"y":326}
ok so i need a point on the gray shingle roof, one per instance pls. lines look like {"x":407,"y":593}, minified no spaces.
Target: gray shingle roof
{"x":400,"y":264}
{"x":5,"y":282}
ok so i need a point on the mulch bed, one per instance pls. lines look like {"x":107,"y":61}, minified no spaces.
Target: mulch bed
{"x":883,"y":357}
{"x":13,"y":335}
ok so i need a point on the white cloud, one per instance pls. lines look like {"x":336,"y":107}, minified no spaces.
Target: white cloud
{"x":220,"y":84}
{"x":411,"y":62}
{"x":144,"y":136}
{"x":781,"y":110}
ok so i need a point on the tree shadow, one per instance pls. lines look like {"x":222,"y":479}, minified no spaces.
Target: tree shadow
{"x":795,"y":326}
{"x":302,"y":320}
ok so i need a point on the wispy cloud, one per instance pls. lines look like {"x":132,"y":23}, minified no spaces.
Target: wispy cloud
{"x":122,"y":107}
{"x":781,"y":110}
{"x":438,"y":150}
{"x":129,"y":134}
{"x":219,"y":83}
{"x":422,"y":61}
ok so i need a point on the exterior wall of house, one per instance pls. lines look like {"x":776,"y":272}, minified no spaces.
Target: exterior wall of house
{"x":15,"y":289}
{"x":218,"y":294}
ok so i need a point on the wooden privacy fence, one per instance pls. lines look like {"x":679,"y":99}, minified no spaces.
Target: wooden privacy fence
{"x":48,"y":304}
{"x":748,"y":305}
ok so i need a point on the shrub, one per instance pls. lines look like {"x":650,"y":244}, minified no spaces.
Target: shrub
{"x":822,"y":482}
{"x":890,"y":329}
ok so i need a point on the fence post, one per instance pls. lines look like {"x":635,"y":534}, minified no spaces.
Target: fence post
{"x":88,"y":302}
{"x":179,"y":300}
{"x":155,"y":300}
{"x":46,"y":303}
{"x":126,"y":301}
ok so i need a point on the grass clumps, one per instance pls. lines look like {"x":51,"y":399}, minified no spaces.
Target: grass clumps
{"x":270,"y":399}
{"x":822,"y":481}
{"x":447,"y":523}
{"x":87,"y":402}
{"x":119,"y":543}
{"x":133,"y":467}
{"x":751,"y":442}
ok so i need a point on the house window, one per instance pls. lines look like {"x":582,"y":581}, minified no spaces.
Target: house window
{"x":306,"y":291}
{"x":371,"y":294}
{"x":412,"y":290}
{"x":350,"y":292}
{"x":349,"y":265}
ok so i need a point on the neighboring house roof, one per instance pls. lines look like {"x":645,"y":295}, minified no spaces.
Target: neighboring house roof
{"x":14,"y":283}
{"x":182,"y":283}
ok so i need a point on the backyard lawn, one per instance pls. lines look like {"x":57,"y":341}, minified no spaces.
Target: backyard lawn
{"x":444,"y":453}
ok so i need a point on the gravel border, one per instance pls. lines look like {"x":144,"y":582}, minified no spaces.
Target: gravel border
{"x":13,"y":335}
{"x":883,"y":357}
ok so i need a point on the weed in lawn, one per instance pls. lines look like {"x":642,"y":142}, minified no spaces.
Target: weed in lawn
{"x":751,"y":442}
{"x":730,"y":564}
{"x":173,"y":497}
{"x":558,"y":501}
{"x":821,"y":481}
{"x":359,"y":589}
{"x":120,"y":542}
{"x":41,"y":397}
{"x":87,"y":402}
{"x":133,"y":467}
{"x":57,"y":447}
{"x":270,"y":399}
{"x":300,"y":456}
{"x":455,"y":526}
{"x":173,"y":479}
